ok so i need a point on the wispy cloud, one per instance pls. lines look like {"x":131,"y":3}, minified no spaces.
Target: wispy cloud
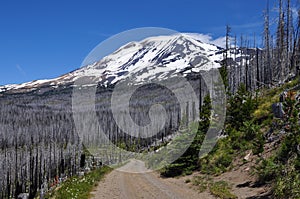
{"x":248,"y":25}
{"x":275,"y":12}
{"x":101,"y":34}
{"x":294,"y":12}
{"x":239,"y":28}
{"x":20,"y":69}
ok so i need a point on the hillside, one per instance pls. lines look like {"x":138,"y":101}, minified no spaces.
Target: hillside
{"x":258,"y":155}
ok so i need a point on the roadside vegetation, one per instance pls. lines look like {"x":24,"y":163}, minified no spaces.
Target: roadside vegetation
{"x":249,"y":120}
{"x":79,"y":186}
{"x":282,"y":169}
{"x":220,"y":189}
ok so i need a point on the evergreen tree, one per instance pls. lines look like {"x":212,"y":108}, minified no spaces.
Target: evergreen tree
{"x":241,"y":106}
{"x":188,"y":162}
{"x":205,"y":115}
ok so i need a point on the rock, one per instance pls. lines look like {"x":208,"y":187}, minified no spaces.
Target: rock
{"x":81,"y":173}
{"x":277,"y":110}
{"x":23,"y":196}
{"x":247,"y":169}
{"x":247,"y":157}
{"x":87,"y":169}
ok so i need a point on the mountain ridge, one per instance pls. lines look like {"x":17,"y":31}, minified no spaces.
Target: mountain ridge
{"x":152,"y":58}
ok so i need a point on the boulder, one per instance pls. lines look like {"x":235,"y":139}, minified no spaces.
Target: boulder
{"x":277,"y":110}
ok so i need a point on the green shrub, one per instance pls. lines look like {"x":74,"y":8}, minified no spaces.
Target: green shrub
{"x":188,"y":162}
{"x":250,"y":130}
{"x":268,"y":171}
{"x":258,"y":144}
{"x":173,"y":170}
{"x":224,"y":161}
{"x":288,"y":186}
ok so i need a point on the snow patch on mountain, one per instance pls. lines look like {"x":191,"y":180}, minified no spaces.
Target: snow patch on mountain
{"x":152,"y":58}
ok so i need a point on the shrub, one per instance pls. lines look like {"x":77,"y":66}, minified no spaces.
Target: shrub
{"x":288,"y":186}
{"x":268,"y":171}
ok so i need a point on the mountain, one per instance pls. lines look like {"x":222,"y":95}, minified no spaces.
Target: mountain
{"x":152,"y":58}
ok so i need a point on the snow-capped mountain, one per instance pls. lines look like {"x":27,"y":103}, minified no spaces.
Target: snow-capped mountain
{"x":152,"y":58}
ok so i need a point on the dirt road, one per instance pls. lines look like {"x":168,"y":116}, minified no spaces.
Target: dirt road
{"x":134,"y":181}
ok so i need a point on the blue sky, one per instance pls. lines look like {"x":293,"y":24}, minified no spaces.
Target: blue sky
{"x":45,"y":39}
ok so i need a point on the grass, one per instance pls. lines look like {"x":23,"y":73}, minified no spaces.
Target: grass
{"x":80,"y":187}
{"x":222,"y":190}
{"x":281,"y":170}
{"x":202,"y":182}
{"x":269,"y":96}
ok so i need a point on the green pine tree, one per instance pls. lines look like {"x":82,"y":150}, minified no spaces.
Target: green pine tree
{"x":188,"y":162}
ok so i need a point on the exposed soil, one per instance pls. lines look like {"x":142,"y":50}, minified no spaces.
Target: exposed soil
{"x":243,"y":181}
{"x":134,"y":181}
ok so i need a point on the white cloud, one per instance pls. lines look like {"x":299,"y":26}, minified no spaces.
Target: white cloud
{"x":207,"y":38}
{"x":20,"y":69}
{"x":221,"y":41}
{"x":248,"y":25}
